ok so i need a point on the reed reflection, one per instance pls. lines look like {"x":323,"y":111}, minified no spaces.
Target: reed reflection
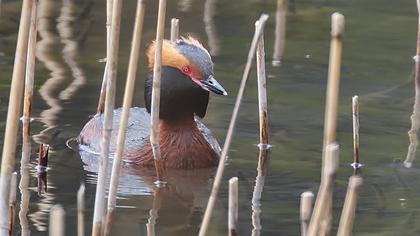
{"x":58,"y":26}
{"x":210,"y":27}
{"x":258,"y":189}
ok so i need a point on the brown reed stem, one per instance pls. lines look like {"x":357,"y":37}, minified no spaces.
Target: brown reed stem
{"x":157,"y":67}
{"x":415,"y":117}
{"x":57,"y":225}
{"x":112,"y":61}
{"x":324,"y":196}
{"x":12,"y":203}
{"x":128,"y":98}
{"x":345,"y":227}
{"x":174,"y":29}
{"x":81,"y":210}
{"x":13,"y":112}
{"x":306,"y":202}
{"x":221,"y":166}
{"x":30,"y":72}
{"x":233,"y":206}
{"x":262,"y":93}
{"x":355,"y":106}
{"x":280,"y":33}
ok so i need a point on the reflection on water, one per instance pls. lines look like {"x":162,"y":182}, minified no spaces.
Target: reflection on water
{"x":210,"y":27}
{"x":258,"y":189}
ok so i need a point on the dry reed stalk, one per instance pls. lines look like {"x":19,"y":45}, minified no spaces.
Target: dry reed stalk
{"x":157,"y":67}
{"x":280,"y":33}
{"x":306,"y":202}
{"x":331,"y":106}
{"x":415,"y":117}
{"x":262,"y":93}
{"x":174,"y":29}
{"x":325,"y":190}
{"x":210,"y":27}
{"x":12,"y":122}
{"x":12,"y":203}
{"x":258,"y":188}
{"x":81,"y":210}
{"x":30,"y":72}
{"x":102,"y":95}
{"x":57,"y":226}
{"x":127,"y":102}
{"x":347,"y":215}
{"x":356,"y":155}
{"x":99,"y":212}
{"x":233,"y":206}
{"x":221,"y":166}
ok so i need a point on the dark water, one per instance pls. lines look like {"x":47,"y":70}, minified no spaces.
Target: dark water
{"x":379,"y":43}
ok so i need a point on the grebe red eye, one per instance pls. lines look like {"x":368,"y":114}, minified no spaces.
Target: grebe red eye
{"x":186,"y":70}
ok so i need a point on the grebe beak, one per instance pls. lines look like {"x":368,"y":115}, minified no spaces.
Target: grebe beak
{"x":211,"y":84}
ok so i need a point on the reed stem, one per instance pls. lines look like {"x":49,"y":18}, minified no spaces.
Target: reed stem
{"x":157,"y":67}
{"x":128,"y":98}
{"x":331,"y":106}
{"x":306,"y":202}
{"x":102,"y":96}
{"x":221,"y":166}
{"x":233,"y":206}
{"x":415,"y":117}
{"x":30,"y":72}
{"x":112,"y":61}
{"x":347,"y":215}
{"x":280,"y":33}
{"x":13,"y":112}
{"x":325,"y":191}
{"x":174,"y":29}
{"x":81,"y":210}
{"x":57,"y":226}
{"x":262,"y":93}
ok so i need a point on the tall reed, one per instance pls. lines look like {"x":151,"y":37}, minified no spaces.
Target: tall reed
{"x":331,"y":106}
{"x":262,"y":93}
{"x":221,"y":166}
{"x":128,"y":98}
{"x":13,"y":112}
{"x":99,"y":209}
{"x":157,"y":67}
{"x":102,"y":95}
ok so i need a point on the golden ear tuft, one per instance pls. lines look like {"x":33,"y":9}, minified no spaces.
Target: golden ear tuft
{"x":170,"y":55}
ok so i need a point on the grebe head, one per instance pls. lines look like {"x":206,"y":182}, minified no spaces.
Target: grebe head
{"x":186,"y":79}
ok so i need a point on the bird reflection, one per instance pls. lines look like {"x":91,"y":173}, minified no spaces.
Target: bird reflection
{"x":258,"y":188}
{"x":185,"y":192}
